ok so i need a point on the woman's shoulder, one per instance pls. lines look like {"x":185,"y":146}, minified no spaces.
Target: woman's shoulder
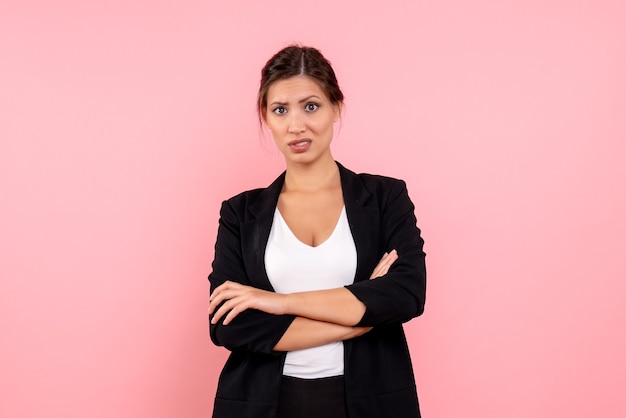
{"x":258,"y":199}
{"x":246,"y":195}
{"x":236,"y":208}
{"x":375,"y":182}
{"x":380,"y":179}
{"x":244,"y":199}
{"x":384,"y":188}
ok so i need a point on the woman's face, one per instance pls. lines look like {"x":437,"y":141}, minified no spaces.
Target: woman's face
{"x":301,"y":119}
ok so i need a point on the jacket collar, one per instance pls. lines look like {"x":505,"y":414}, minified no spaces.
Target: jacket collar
{"x":363,"y":217}
{"x":354,"y":194}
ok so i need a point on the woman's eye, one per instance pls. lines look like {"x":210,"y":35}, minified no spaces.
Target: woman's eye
{"x":311,"y":107}
{"x":280,"y":110}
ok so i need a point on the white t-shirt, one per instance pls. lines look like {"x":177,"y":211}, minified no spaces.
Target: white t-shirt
{"x":293,"y":266}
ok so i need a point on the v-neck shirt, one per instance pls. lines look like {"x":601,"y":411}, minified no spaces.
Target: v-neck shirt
{"x":293,"y":266}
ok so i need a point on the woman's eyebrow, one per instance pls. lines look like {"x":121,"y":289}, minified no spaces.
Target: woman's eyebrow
{"x":313,"y":96}
{"x":309,"y":98}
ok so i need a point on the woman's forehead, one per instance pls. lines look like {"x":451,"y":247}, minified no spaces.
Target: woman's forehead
{"x":294,"y":89}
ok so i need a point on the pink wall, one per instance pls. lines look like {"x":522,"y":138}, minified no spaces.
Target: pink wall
{"x":123,"y":124}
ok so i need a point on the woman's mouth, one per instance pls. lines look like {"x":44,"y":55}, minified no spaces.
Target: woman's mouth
{"x":299,"y":145}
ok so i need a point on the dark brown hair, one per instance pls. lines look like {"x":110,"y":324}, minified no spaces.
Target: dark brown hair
{"x":297,"y":60}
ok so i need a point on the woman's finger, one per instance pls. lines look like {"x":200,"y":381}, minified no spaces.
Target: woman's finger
{"x":234,"y":298}
{"x":224,"y":286}
{"x":384,"y":264}
{"x":226,"y":307}
{"x":225,"y":291}
{"x":234,"y":312}
{"x":380,"y":267}
{"x":377,"y":268}
{"x":229,"y":300}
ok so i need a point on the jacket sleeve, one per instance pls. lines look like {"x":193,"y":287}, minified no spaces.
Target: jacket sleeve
{"x":399,"y":295}
{"x":251,"y":330}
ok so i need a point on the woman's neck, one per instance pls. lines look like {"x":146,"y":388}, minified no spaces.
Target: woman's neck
{"x":312,"y":177}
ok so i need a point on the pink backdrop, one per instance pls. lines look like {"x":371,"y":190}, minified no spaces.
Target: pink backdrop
{"x":124,"y":124}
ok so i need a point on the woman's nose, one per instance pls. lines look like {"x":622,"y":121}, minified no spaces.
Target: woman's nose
{"x":296,"y":124}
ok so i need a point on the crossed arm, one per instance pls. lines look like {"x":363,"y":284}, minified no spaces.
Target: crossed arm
{"x":322,"y":316}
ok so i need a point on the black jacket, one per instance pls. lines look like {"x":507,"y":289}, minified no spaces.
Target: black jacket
{"x":377,"y":368}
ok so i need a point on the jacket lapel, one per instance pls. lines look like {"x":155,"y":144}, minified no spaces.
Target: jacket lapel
{"x":364,"y":219}
{"x":255,"y":232}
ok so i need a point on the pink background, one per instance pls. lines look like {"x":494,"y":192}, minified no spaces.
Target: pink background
{"x":124,"y":124}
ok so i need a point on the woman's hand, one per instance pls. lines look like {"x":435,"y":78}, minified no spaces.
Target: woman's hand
{"x":384,"y":264}
{"x":238,"y":297}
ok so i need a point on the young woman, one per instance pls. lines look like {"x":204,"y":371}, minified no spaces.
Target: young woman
{"x":314,"y":275}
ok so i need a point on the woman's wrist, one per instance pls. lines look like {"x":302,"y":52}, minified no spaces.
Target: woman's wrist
{"x":290,"y":304}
